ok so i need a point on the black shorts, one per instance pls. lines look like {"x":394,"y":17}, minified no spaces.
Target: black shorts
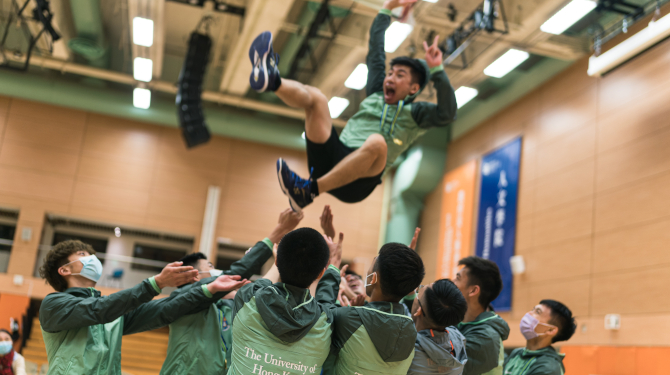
{"x":323,"y":157}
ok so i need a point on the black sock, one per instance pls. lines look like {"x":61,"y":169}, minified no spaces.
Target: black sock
{"x":313,"y":187}
{"x":277,"y":82}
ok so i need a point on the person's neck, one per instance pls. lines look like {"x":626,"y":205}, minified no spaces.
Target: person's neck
{"x":474,"y":310}
{"x":80,"y":282}
{"x":538,"y":343}
{"x":378,"y":296}
{"x":421,"y":325}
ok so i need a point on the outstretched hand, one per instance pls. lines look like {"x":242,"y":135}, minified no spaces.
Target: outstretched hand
{"x":392,"y":4}
{"x":433,"y":53}
{"x":288,"y":221}
{"x":335,"y":250}
{"x":415,"y":239}
{"x":226,"y":283}
{"x":327,"y":222}
{"x":174,"y":274}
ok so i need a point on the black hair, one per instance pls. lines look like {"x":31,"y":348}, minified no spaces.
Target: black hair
{"x":301,"y":256}
{"x":561,"y":317}
{"x":445,"y":304}
{"x":350,"y":272}
{"x":57,"y":257}
{"x":7,"y":332}
{"x":192,"y":259}
{"x":399,"y":269}
{"x":416,"y":68}
{"x":486,"y":275}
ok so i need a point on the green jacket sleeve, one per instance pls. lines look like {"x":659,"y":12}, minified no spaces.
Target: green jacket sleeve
{"x":429,"y":115}
{"x":159,"y":313}
{"x":252,"y":261}
{"x":483,"y":352}
{"x":63,"y":311}
{"x":245,"y":293}
{"x":376,"y":59}
{"x":328,"y":287}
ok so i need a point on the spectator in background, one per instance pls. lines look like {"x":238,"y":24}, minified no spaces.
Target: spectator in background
{"x":480,"y":283}
{"x":439,"y":347}
{"x":82,"y":330}
{"x":11,"y":362}
{"x":549,"y":322}
{"x":199,"y":343}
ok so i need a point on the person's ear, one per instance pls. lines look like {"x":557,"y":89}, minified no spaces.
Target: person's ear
{"x":552,"y":331}
{"x":63,"y":271}
{"x":414,"y":88}
{"x":322,"y":272}
{"x":418,"y":312}
{"x":474,"y":291}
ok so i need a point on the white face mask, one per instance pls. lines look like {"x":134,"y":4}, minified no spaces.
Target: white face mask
{"x":366,"y":279}
{"x":92,"y":268}
{"x":213,"y":273}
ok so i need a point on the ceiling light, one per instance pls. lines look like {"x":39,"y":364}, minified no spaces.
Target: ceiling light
{"x":143,"y":69}
{"x":629,"y":48}
{"x":143,"y":32}
{"x":566,"y":17}
{"x":430,"y":1}
{"x":358,"y":78}
{"x":464,"y":95}
{"x":303,"y":135}
{"x":505,"y":63}
{"x":117,"y":232}
{"x":395,"y":35}
{"x":141,"y":98}
{"x":337,"y":105}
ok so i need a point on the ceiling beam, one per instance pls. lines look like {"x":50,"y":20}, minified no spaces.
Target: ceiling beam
{"x":261,"y":15}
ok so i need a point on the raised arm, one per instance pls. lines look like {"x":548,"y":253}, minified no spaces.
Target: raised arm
{"x":63,"y":311}
{"x":429,"y":115}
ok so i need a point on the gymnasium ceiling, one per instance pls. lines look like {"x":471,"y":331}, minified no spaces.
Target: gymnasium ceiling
{"x":334,"y":56}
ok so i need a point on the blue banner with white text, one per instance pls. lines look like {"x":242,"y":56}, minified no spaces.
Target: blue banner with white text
{"x":496,"y":222}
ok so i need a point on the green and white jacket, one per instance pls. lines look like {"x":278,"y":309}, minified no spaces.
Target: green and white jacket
{"x":403,"y":123}
{"x":199,"y":342}
{"x":377,"y":338}
{"x":484,"y":344}
{"x":282,"y":329}
{"x":82,"y":330}
{"x":545,"y":361}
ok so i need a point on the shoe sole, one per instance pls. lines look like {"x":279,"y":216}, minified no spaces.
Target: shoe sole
{"x":263,"y":59}
{"x":294,"y":205}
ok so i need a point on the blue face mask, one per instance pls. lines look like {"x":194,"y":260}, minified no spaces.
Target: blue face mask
{"x":5,"y":347}
{"x":92,"y":269}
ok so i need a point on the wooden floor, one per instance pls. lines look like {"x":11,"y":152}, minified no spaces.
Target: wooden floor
{"x":141,"y":353}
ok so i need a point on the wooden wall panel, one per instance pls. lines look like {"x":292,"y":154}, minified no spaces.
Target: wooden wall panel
{"x":564,"y":186}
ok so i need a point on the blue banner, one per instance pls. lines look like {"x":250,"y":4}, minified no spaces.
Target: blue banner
{"x":496,"y":222}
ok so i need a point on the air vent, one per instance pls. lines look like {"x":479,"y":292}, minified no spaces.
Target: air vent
{"x":9,"y":214}
{"x":62,"y":222}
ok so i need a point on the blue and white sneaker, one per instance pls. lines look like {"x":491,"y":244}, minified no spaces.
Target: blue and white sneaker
{"x":296,"y":188}
{"x":264,"y":62}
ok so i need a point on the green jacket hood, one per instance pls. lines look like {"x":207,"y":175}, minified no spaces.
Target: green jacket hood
{"x":437,"y":347}
{"x":393,"y":344}
{"x":548,"y":352}
{"x":492,"y":320}
{"x":289,"y":312}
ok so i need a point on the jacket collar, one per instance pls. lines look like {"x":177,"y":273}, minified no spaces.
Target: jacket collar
{"x":83,"y":292}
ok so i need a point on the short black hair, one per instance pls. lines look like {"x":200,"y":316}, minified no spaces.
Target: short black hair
{"x":416,"y":68}
{"x":301,"y":256}
{"x":561,"y":317}
{"x":7,"y":332}
{"x":486,"y":275}
{"x":445,"y":304}
{"x":192,"y":259}
{"x":399,"y":269}
{"x":350,"y":272}
{"x":58,"y":257}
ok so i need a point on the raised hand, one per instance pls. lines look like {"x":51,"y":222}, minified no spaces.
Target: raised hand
{"x":226,"y":283}
{"x":327,"y":222}
{"x":174,"y":274}
{"x":359,"y":300}
{"x":288,"y":220}
{"x":335,"y":250}
{"x":392,"y":4}
{"x":433,"y":53}
{"x":415,"y":239}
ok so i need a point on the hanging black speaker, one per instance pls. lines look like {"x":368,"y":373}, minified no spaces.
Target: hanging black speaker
{"x":189,"y":101}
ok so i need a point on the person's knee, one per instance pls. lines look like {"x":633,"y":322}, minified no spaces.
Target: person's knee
{"x":317,"y":97}
{"x":376,"y":143}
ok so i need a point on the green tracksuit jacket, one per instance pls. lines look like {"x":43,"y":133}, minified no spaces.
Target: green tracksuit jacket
{"x":281,"y":329}
{"x":82,"y":330}
{"x":377,"y":338}
{"x":439,"y":353}
{"x":483,"y":344}
{"x":199,"y":342}
{"x":401,"y":124}
{"x":535,"y":362}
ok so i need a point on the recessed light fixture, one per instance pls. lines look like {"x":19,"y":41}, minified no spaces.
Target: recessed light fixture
{"x":358,"y":78}
{"x":395,"y":35}
{"x":143,"y":32}
{"x":141,"y":98}
{"x":464,"y":94}
{"x":506,"y":63}
{"x":568,"y":16}
{"x":143,"y":69}
{"x":337,"y":105}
